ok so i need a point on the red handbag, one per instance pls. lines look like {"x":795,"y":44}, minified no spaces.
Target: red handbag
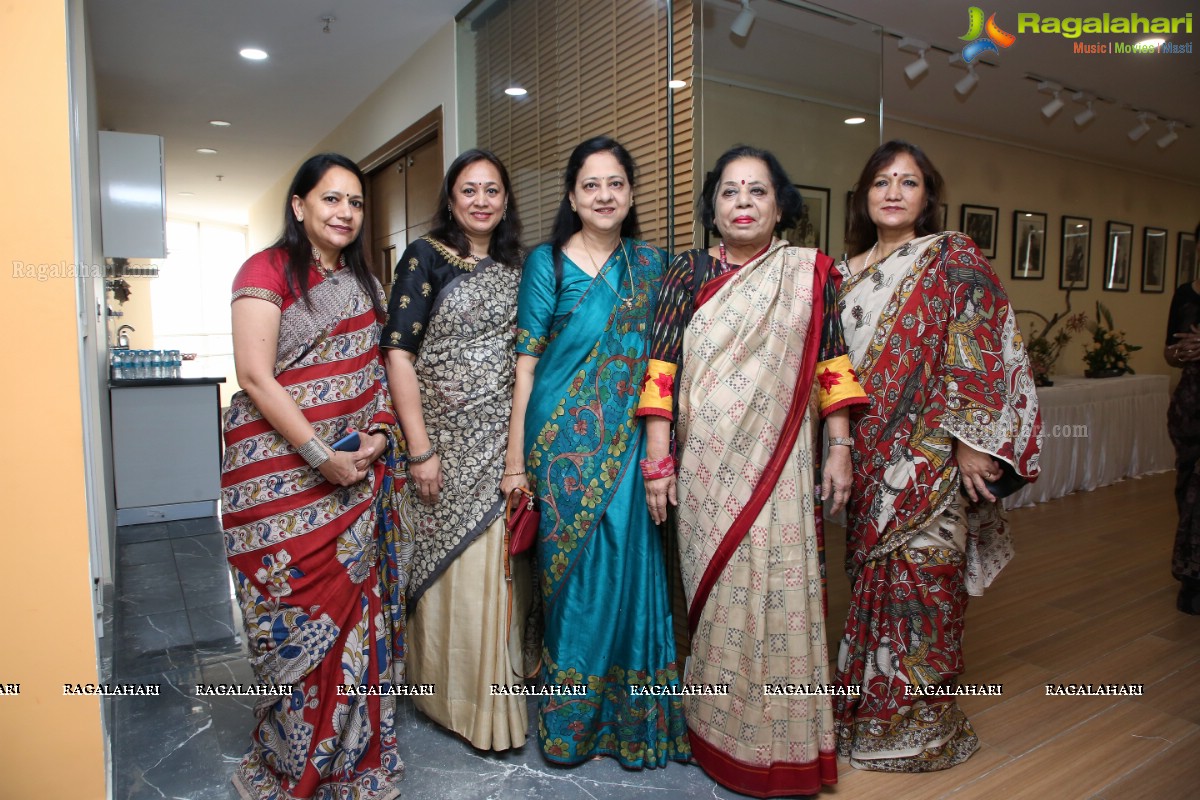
{"x":521,"y":519}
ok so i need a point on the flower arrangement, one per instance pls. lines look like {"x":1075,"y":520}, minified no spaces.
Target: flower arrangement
{"x":1108,"y":352}
{"x":1045,"y":346}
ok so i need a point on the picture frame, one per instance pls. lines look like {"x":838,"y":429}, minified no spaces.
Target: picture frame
{"x":1185,"y":259}
{"x":1029,"y":245}
{"x":812,"y":229}
{"x":1075,"y":254}
{"x":1118,"y":256}
{"x":980,"y":223}
{"x":1154,"y":260}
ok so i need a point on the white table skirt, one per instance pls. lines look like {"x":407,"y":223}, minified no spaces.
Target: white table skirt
{"x":1099,"y":431}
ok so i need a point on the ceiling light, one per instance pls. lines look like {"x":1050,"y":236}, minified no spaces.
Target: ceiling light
{"x":1053,"y":107}
{"x":743,"y":21}
{"x":206,"y":151}
{"x":1169,"y":137}
{"x":1150,"y":42}
{"x":516,"y":91}
{"x":967,"y":82}
{"x":855,"y":120}
{"x":676,"y":84}
{"x":1085,"y":116}
{"x":187,"y":194}
{"x":253,"y":54}
{"x":917,"y":68}
{"x":220,"y":123}
{"x":1142,"y":128}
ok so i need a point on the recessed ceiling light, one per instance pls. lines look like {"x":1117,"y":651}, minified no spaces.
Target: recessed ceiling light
{"x":855,"y":120}
{"x":676,"y":84}
{"x":206,"y":151}
{"x":220,"y":123}
{"x":187,"y":194}
{"x":516,"y":91}
{"x":253,"y":53}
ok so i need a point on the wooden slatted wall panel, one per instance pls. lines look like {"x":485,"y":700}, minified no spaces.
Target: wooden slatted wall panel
{"x":591,"y":67}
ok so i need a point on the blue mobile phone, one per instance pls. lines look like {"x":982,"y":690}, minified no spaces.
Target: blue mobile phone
{"x":349,"y":442}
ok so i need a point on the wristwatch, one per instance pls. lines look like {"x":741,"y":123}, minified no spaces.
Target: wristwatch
{"x":842,"y":440}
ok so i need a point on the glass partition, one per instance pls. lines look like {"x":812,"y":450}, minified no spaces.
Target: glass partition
{"x":794,"y":82}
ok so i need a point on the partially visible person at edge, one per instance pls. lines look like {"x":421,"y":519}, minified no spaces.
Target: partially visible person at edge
{"x":936,"y":346}
{"x":585,"y":309}
{"x":749,"y":332}
{"x":1183,"y":423}
{"x":312,"y":534}
{"x":448,"y":345}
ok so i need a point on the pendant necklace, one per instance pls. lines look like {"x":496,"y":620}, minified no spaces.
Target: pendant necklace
{"x":329,"y":274}
{"x":626,"y":302}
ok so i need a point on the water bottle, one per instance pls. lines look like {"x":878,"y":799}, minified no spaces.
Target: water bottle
{"x":114,"y":365}
{"x":176,"y":363}
{"x":141,"y":369}
{"x":156,"y":364}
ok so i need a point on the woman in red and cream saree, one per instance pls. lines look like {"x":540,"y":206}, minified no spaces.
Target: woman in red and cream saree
{"x":312,"y":536}
{"x":936,"y":346}
{"x":757,"y":349}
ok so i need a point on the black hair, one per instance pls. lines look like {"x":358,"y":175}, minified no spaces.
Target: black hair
{"x":861,"y":229}
{"x":505,"y":245}
{"x":566,"y":221}
{"x":787,"y":197}
{"x":294,"y":239}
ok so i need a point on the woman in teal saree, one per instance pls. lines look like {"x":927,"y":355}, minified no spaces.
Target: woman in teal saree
{"x":585,"y":308}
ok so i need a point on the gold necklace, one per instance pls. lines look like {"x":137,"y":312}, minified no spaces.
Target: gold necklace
{"x":626,"y":302}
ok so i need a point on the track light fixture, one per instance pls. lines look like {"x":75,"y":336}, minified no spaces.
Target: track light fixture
{"x":742,"y":22}
{"x":919,"y":67}
{"x":967,"y":82}
{"x":1056,"y":104}
{"x":1142,"y":128}
{"x":1085,"y":116}
{"x":1167,"y":139}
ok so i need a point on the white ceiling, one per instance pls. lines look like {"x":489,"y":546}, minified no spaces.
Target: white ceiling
{"x":170,"y":67}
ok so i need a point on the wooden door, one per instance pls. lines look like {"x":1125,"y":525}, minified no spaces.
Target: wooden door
{"x":422,"y":183}
{"x":388,"y":218}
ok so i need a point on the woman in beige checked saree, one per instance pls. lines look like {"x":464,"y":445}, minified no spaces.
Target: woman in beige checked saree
{"x":751,"y":331}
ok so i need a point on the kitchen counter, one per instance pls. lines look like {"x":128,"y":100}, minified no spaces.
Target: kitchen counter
{"x":121,"y":383}
{"x":166,"y":448}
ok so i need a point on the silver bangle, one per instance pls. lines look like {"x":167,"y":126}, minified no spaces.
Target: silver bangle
{"x":313,"y":452}
{"x":845,"y":441}
{"x":421,"y":459}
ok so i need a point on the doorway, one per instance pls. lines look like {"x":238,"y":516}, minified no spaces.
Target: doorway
{"x":403,"y":180}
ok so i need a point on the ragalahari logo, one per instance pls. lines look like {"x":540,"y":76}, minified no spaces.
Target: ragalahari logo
{"x":983,"y":37}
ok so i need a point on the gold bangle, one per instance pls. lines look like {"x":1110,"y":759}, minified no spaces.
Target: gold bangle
{"x":513,"y":474}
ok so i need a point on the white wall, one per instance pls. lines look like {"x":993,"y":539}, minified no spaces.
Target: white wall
{"x":424,"y":82}
{"x":817,"y":149}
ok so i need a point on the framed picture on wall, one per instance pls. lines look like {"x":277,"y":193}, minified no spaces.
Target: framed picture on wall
{"x":812,"y":229}
{"x":1185,"y":259}
{"x":1029,"y":245}
{"x":1076,"y":253}
{"x":1118,"y":255}
{"x":980,"y":222}
{"x":1154,"y":260}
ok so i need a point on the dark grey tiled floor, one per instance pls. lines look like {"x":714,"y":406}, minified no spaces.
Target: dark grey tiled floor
{"x":176,"y":625}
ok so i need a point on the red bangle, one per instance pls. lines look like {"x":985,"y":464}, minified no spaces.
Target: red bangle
{"x":653,"y":470}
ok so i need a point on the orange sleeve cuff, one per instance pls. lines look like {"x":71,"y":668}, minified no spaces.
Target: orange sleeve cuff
{"x":658,"y":389}
{"x":837,"y":385}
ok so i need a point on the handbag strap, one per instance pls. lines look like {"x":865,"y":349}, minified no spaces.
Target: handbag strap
{"x":522,"y":495}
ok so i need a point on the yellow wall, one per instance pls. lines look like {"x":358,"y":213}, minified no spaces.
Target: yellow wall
{"x":52,"y":744}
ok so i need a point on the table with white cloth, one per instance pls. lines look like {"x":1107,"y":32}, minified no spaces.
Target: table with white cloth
{"x":1098,"y":431}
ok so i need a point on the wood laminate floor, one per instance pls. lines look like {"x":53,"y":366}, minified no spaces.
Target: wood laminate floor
{"x":1089,"y":598}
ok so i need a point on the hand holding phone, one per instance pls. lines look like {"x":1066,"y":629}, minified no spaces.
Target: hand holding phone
{"x":348,"y":443}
